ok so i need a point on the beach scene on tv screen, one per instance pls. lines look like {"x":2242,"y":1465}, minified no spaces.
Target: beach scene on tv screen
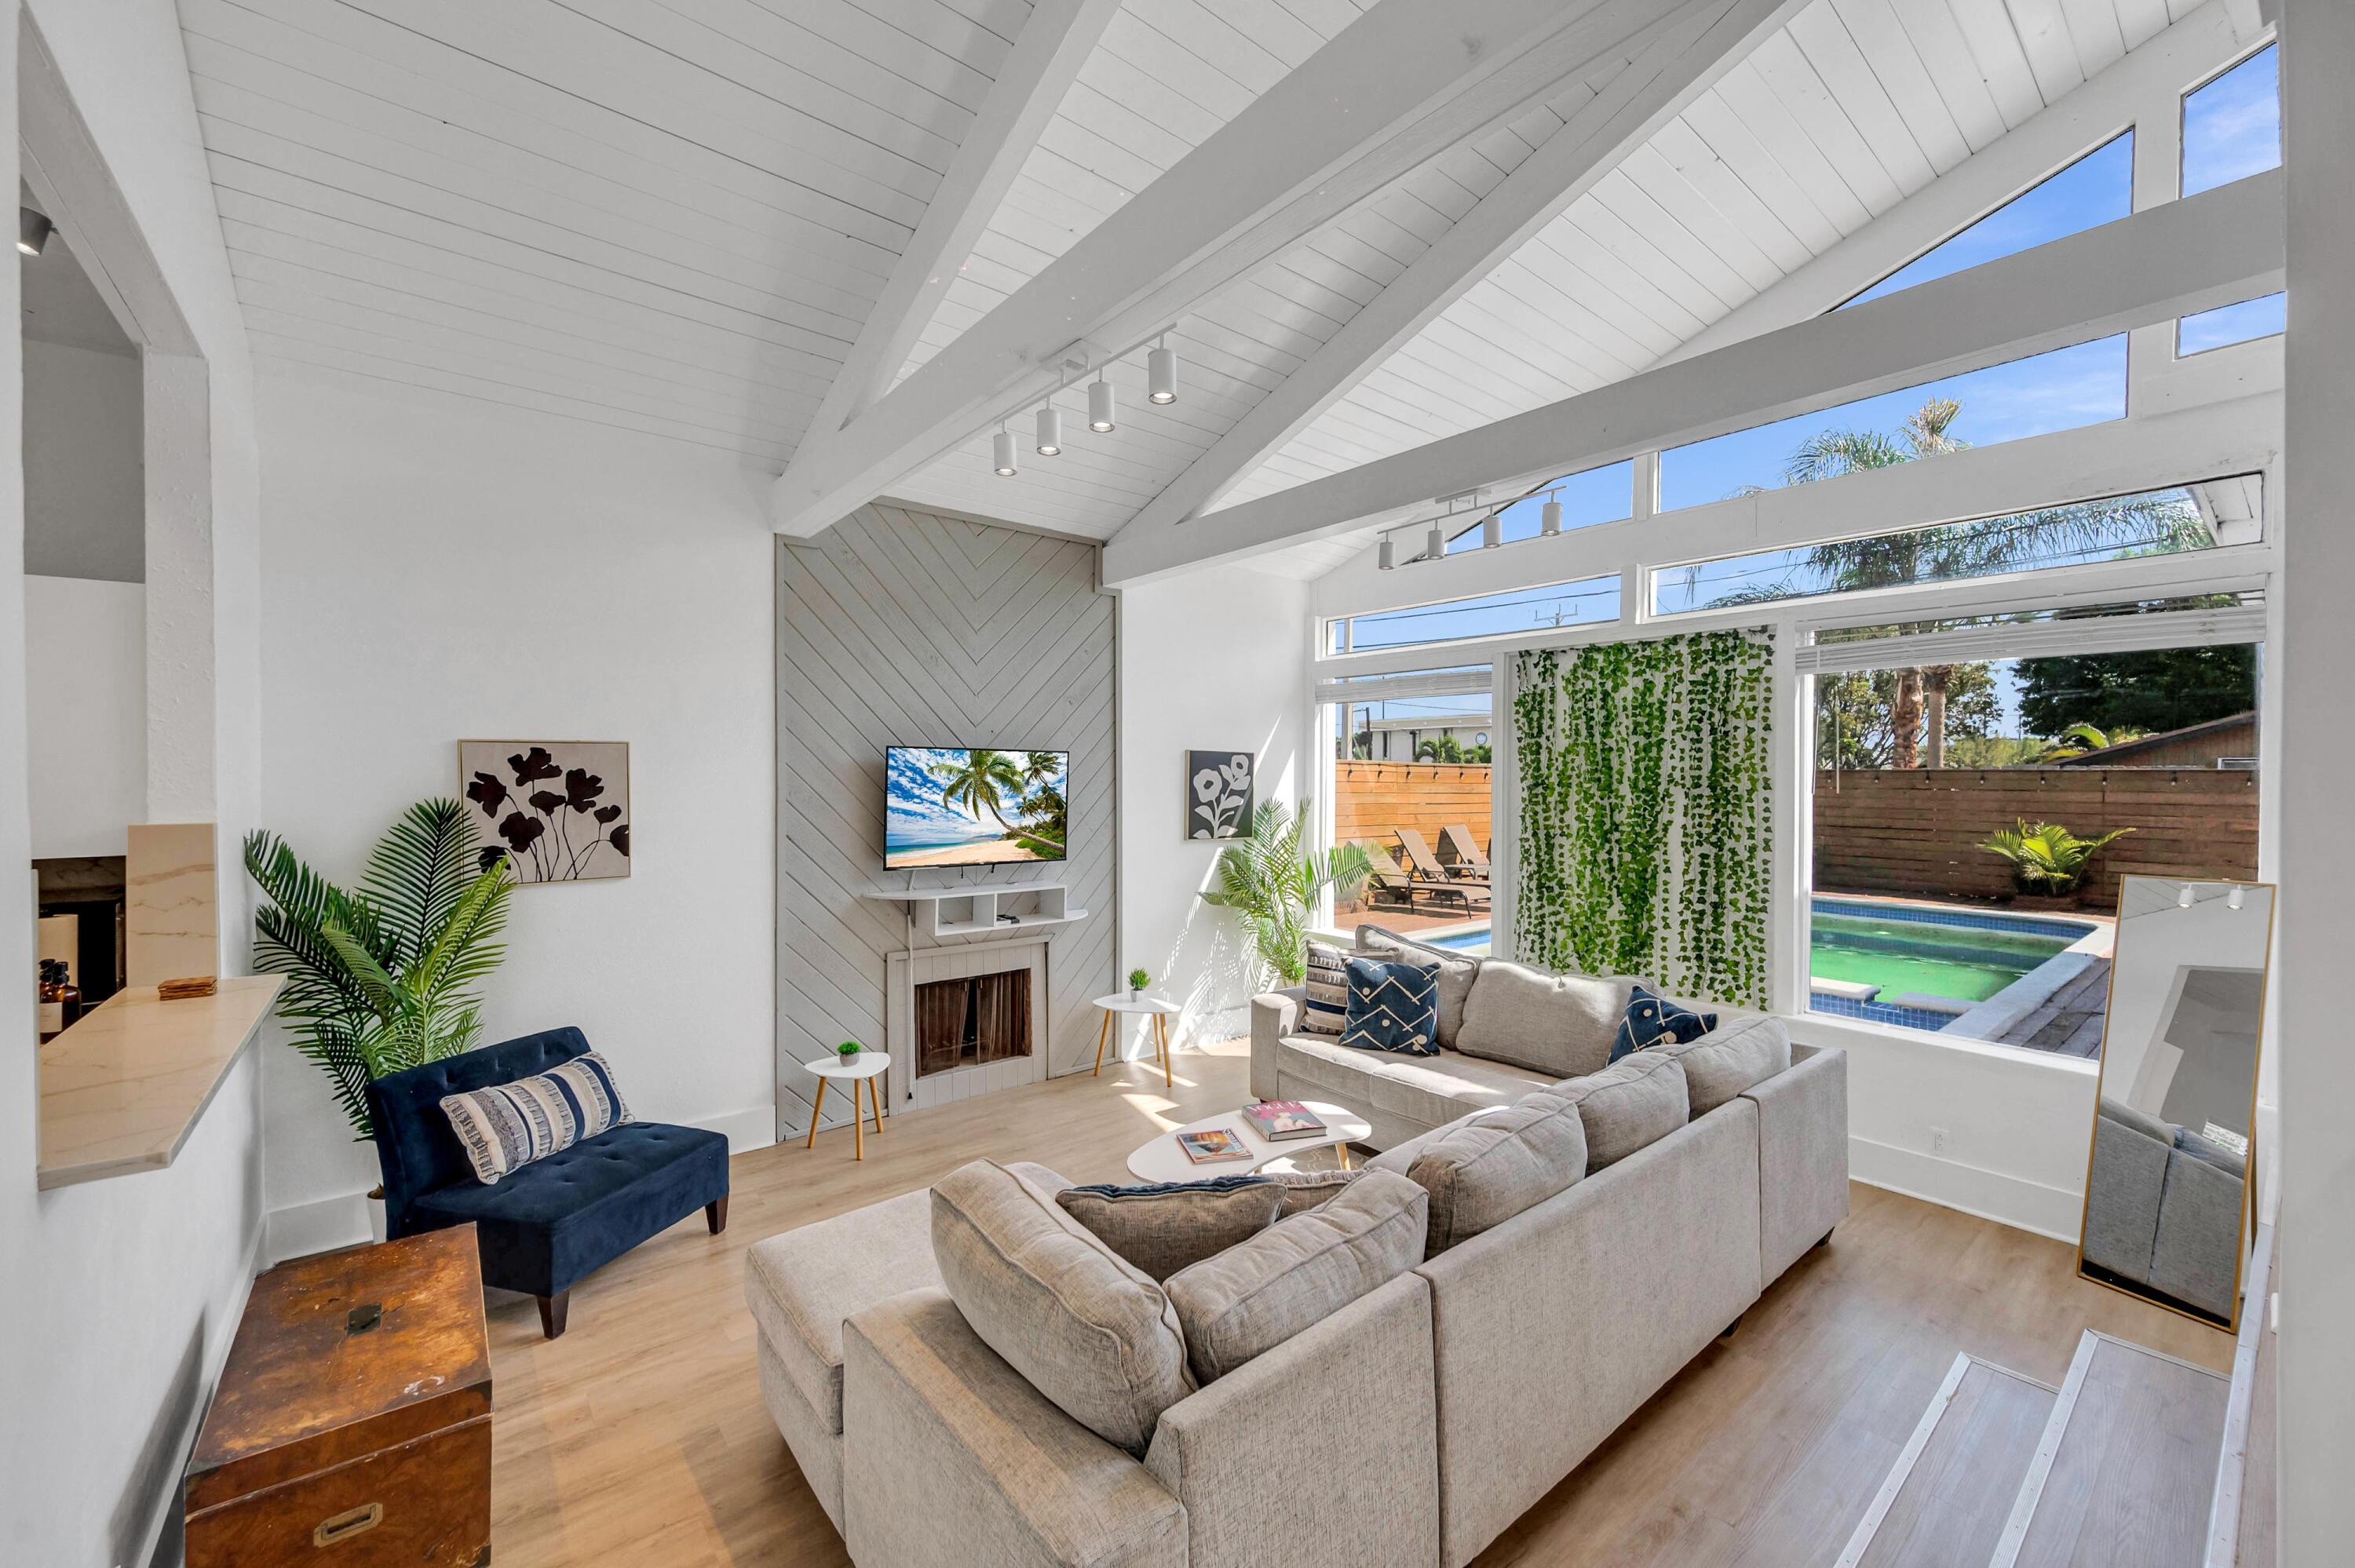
{"x":956,"y":805}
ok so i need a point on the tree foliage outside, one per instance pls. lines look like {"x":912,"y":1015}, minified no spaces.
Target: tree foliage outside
{"x":383,"y":977}
{"x":2150,"y":690}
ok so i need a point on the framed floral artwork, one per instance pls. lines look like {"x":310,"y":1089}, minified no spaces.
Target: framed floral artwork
{"x":1217,"y":794}
{"x":557,"y":811}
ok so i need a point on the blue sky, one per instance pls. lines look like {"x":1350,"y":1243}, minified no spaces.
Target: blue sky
{"x":2232,"y":127}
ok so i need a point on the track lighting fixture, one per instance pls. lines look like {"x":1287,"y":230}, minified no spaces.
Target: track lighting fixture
{"x":1161,"y":373}
{"x":1100,"y":418}
{"x":1050,"y":429}
{"x":1549,"y":519}
{"x":1002,"y":445}
{"x":1387,"y":559}
{"x":2233,"y":900}
{"x":1492,"y":531}
{"x":1436,"y":545}
{"x":32,"y":230}
{"x":2183,"y":899}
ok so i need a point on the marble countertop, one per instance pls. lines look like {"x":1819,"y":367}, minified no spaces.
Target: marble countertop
{"x":122,"y":1088}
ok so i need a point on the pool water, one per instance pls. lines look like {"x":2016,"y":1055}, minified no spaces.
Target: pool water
{"x":1474,"y":941}
{"x":1905,"y":952}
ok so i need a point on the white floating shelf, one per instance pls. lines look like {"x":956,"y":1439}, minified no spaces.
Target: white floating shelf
{"x":973,"y":910}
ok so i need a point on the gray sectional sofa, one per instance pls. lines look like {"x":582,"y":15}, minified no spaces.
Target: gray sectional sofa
{"x":1410,"y":1425}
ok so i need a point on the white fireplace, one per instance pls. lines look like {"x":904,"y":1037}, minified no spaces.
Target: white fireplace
{"x":1004,"y":1031}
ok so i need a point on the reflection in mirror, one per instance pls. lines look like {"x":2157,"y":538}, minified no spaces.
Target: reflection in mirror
{"x":2167,"y":1197}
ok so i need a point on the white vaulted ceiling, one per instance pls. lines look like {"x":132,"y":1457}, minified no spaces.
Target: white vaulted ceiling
{"x":677,"y":218}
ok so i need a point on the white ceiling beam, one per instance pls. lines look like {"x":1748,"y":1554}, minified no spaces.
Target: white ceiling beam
{"x":1401,"y":84}
{"x":2115,"y":99}
{"x":2186,"y":255}
{"x":1048,"y":53}
{"x":2242,"y":435}
{"x":1652,"y":87}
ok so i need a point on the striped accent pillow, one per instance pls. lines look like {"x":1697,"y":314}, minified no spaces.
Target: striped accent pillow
{"x":507,"y":1126}
{"x":1327,"y":1006}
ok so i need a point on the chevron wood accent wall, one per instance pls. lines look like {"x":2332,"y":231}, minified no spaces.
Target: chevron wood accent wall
{"x":900,"y":627}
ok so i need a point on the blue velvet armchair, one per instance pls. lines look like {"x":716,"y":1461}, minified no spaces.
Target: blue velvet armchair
{"x":545,"y":1226}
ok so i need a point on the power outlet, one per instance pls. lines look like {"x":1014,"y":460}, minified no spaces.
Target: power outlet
{"x":1937,"y":1140}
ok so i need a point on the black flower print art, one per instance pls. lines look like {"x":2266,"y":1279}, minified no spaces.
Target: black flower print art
{"x":557,"y":811}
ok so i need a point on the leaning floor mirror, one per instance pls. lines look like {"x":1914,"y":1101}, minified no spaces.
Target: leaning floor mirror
{"x":2168,"y":1185}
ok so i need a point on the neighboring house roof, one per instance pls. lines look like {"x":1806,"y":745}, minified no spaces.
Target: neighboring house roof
{"x":2128,"y":751}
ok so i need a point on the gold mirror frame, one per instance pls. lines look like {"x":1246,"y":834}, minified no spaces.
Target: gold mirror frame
{"x":2249,"y":1194}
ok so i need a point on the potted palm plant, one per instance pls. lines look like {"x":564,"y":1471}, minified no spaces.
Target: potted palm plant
{"x":383,"y":977}
{"x":1266,"y":878}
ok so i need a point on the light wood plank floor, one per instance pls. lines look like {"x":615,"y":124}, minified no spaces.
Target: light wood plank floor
{"x":640,"y":1437}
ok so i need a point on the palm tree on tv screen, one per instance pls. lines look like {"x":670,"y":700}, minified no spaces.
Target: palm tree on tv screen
{"x":984,"y":781}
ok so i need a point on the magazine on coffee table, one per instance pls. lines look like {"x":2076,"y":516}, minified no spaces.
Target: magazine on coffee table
{"x":1276,"y":1120}
{"x":1215,"y":1147}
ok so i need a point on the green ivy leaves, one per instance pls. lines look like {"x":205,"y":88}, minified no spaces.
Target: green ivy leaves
{"x":1645,"y":822}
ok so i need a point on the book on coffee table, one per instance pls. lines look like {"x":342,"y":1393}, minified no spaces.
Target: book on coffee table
{"x":1276,"y":1120}
{"x":1212,"y":1148}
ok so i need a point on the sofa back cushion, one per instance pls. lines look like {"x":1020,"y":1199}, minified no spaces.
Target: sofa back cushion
{"x":1633,"y":1103}
{"x":1163,"y":1227}
{"x":1728,"y":1062}
{"x":1558,"y":1024}
{"x":1303,"y":1189}
{"x":1456,"y":972}
{"x":1257,"y":1294}
{"x":1485,"y":1168}
{"x":415,"y":1145}
{"x":1087,"y":1329}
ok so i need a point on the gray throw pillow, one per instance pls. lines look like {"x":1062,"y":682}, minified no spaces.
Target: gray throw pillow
{"x":1561,"y":1024}
{"x":1303,"y":1189}
{"x":1166,"y":1225}
{"x":1325,"y":1007}
{"x":1456,"y":972}
{"x":1485,"y":1168}
{"x":1726,"y":1061}
{"x":1087,"y":1330}
{"x":1630,"y":1105}
{"x":1256,"y":1295}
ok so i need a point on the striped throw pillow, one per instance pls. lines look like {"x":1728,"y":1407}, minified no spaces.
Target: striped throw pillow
{"x":1327,"y":1007}
{"x":507,"y":1126}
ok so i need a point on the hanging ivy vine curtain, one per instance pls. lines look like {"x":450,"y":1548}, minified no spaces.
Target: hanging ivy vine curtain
{"x":1645,"y":828}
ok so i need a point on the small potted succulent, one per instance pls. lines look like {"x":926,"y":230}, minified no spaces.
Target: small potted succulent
{"x":847,"y":1052}
{"x":1137,"y":980}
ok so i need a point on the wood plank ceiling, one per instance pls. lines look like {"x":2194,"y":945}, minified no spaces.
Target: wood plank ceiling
{"x":674,"y":219}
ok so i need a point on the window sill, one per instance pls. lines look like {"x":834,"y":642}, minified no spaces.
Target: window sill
{"x":124,"y":1087}
{"x":1831,"y":1029}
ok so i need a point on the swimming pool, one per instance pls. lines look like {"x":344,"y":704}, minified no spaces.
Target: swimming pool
{"x":1922,"y":964}
{"x":1472,"y":940}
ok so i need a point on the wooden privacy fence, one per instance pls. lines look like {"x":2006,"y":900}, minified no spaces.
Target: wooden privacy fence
{"x":1916,"y":832}
{"x":1372,"y":800}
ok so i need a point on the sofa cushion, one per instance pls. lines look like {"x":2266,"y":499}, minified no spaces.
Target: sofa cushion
{"x":1731,"y":1061}
{"x":1325,"y":1004}
{"x":1164,"y":1226}
{"x":1303,"y":1189}
{"x":1424,"y":1090}
{"x":1633,"y":1103}
{"x":1561,"y":1025}
{"x":1485,"y":1168}
{"x":1087,"y":1329}
{"x":1254,"y":1296}
{"x":1393,"y":1006}
{"x":1651,"y":1020}
{"x":802,"y":1284}
{"x":1456,"y":972}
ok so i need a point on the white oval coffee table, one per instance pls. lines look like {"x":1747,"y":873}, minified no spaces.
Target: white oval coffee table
{"x":1162,"y":1161}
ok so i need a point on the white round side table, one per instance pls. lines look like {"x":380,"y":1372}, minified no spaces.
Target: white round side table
{"x":1153,"y":1007}
{"x":863,"y":1068}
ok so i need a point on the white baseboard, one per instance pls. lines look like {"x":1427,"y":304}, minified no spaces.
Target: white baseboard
{"x":320,"y":1224}
{"x":2007,"y":1199}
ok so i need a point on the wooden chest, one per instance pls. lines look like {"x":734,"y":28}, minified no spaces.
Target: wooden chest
{"x":353,"y":1423}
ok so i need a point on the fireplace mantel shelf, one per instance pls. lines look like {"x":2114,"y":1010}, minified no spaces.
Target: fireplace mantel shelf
{"x":980,"y":909}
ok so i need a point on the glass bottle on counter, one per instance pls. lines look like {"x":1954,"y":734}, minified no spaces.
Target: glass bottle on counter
{"x":60,"y":999}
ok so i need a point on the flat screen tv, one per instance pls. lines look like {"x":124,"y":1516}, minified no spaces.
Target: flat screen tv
{"x":972,"y":806}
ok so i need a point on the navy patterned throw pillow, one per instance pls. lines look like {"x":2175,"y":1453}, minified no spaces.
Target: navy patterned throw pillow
{"x":1652,"y":1021}
{"x":1394,"y":1007}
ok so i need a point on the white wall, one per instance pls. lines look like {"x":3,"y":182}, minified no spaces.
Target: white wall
{"x":437,"y":571}
{"x":1216,"y":659}
{"x":85,"y":699}
{"x":85,"y":502}
{"x":117,"y":1297}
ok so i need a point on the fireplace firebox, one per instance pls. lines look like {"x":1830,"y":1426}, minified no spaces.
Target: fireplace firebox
{"x":970,"y":1021}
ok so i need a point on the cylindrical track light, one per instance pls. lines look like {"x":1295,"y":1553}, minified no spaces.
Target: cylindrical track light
{"x":1387,"y":559}
{"x":32,"y":230}
{"x":1050,"y":429}
{"x":2183,"y":899}
{"x":1100,"y":418}
{"x":1436,"y":545}
{"x":2233,"y":900}
{"x":1492,"y":531}
{"x":1002,"y":446}
{"x":1161,"y":373}
{"x":1550,"y":523}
